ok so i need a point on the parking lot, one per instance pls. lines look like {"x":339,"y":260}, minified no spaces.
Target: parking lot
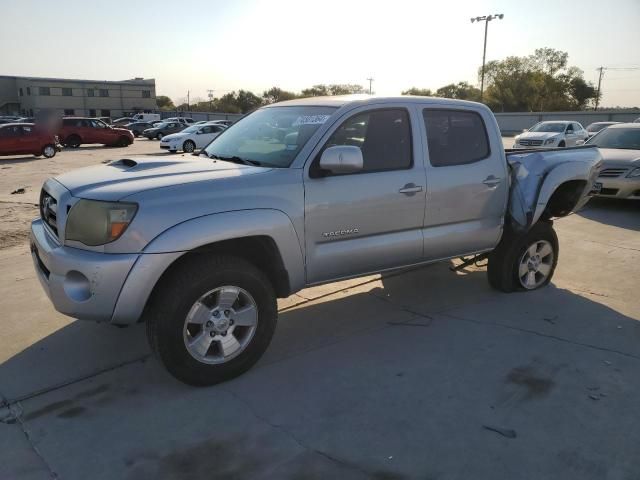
{"x":418,"y":374}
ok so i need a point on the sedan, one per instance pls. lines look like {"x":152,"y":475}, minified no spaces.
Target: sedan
{"x":552,"y":134}
{"x":191,"y":138}
{"x":595,"y":127}
{"x":138,"y":127}
{"x":619,"y":146}
{"x":162,"y":129}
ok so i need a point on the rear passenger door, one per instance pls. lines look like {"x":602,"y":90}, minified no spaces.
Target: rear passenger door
{"x":467,"y":182}
{"x":370,"y":220}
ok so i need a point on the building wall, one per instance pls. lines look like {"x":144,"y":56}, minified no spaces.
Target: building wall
{"x":8,"y":96}
{"x":73,"y":96}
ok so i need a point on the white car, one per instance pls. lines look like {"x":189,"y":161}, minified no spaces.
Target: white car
{"x":192,"y":138}
{"x":552,"y":134}
{"x":184,"y":120}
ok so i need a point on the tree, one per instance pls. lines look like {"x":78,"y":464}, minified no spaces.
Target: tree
{"x":248,"y":101}
{"x":538,"y":82}
{"x":423,"y":92}
{"x":460,"y":90}
{"x":321,"y":90}
{"x":275,"y":94}
{"x":164,"y":103}
{"x":315,"y":91}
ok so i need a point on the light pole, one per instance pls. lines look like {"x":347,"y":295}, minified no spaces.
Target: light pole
{"x":370,"y":82}
{"x":486,"y":19}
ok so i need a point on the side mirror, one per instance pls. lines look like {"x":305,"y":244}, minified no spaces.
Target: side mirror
{"x":525,"y":130}
{"x":342,"y":159}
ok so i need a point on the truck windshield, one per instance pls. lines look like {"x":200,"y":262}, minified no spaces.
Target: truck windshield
{"x":270,"y":136}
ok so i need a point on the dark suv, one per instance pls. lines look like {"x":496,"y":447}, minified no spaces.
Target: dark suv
{"x":138,"y":127}
{"x":78,"y":130}
{"x":162,"y":129}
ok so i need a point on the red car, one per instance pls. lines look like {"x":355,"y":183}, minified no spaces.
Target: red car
{"x":27,"y":138}
{"x":78,"y":130}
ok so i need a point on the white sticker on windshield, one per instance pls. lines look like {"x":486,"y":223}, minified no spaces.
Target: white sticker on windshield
{"x":310,"y":120}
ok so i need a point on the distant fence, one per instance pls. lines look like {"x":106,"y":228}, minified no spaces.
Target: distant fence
{"x":509,"y":122}
{"x":198,"y":116}
{"x":517,"y":121}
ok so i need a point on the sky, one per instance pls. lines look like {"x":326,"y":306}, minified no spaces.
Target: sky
{"x":197,"y":45}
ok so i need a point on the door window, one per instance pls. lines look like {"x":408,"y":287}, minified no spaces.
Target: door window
{"x":455,"y":137}
{"x":97,"y":124}
{"x":383,"y":136}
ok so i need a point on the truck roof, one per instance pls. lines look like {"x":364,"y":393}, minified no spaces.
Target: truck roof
{"x":363,"y":99}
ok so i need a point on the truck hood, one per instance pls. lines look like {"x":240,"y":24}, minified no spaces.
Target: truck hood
{"x":125,"y":177}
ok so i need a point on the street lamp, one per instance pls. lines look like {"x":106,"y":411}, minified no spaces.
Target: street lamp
{"x":486,"y":19}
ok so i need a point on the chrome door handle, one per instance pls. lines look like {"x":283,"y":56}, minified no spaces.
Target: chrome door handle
{"x":410,"y":189}
{"x":492,"y":181}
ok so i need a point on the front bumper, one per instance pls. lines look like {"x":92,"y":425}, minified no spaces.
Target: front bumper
{"x":621,"y":187}
{"x":167,"y":146}
{"x":517,"y":146}
{"x":79,"y":283}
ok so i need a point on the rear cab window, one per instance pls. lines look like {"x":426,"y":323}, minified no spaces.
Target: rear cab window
{"x":455,"y":137}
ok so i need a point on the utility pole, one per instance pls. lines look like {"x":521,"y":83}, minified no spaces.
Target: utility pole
{"x":188,"y":104}
{"x":599,"y":84}
{"x":370,"y":81}
{"x":486,"y":19}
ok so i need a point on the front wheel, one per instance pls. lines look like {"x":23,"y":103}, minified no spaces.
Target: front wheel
{"x":49,"y":151}
{"x":524,"y":261}
{"x":212,"y":319}
{"x":188,"y":146}
{"x":159,"y":136}
{"x":562,"y":144}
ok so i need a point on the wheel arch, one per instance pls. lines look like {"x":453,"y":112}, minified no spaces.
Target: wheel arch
{"x":264,"y":237}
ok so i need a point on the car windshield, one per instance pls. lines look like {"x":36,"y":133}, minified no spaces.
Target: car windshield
{"x":549,"y":127}
{"x":623,"y":138}
{"x":192,"y":129}
{"x":596,"y":127}
{"x":270,"y":136}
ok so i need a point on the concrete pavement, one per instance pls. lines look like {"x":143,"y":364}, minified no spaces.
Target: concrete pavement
{"x":421,"y":374}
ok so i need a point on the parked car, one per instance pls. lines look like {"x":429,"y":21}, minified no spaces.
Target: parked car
{"x":156,"y":122}
{"x":27,"y":138}
{"x":123,"y":121}
{"x":106,"y":120}
{"x":185,"y":120}
{"x":78,"y":130}
{"x":191,"y":138}
{"x":7,"y":120}
{"x":162,"y":129}
{"x":595,"y":127}
{"x":552,"y":134}
{"x":200,"y":249}
{"x":138,"y":127}
{"x":619,"y":175}
{"x":227,"y":123}
{"x":26,"y":120}
{"x":637,"y":120}
{"x":146,"y":117}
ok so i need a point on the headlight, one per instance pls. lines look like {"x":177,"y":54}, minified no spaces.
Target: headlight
{"x":551,"y":140}
{"x":94,"y":222}
{"x":634,"y":173}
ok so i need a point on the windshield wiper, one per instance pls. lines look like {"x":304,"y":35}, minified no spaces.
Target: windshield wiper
{"x":235,"y":159}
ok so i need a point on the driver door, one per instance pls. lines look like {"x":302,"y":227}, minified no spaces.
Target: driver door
{"x":370,"y":220}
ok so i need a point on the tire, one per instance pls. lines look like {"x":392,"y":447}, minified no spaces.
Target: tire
{"x":123,"y":142}
{"x":170,"y":312}
{"x":189,"y":146}
{"x":562,"y":144}
{"x":136,"y":134}
{"x":72,"y":141}
{"x":512,"y":266}
{"x":49,"y":151}
{"x":159,"y":136}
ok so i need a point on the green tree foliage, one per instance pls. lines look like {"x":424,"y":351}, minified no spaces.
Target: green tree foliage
{"x":164,"y":102}
{"x":423,"y":92}
{"x":275,"y":94}
{"x":335,"y":89}
{"x":539,"y":82}
{"x":460,"y":90}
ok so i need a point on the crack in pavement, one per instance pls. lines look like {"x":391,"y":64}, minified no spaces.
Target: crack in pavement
{"x":544,"y":335}
{"x":293,"y":437}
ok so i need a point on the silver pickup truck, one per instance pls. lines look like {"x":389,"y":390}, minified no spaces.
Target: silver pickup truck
{"x":297,"y":194}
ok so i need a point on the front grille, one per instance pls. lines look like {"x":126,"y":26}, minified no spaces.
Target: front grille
{"x":608,"y":191}
{"x":532,"y":143}
{"x":49,"y":211}
{"x":612,"y":172}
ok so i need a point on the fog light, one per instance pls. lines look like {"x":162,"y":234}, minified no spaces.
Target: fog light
{"x":77,"y":286}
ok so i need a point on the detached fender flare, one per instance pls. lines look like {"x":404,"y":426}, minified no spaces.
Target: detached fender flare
{"x":563,"y":173}
{"x":184,"y":237}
